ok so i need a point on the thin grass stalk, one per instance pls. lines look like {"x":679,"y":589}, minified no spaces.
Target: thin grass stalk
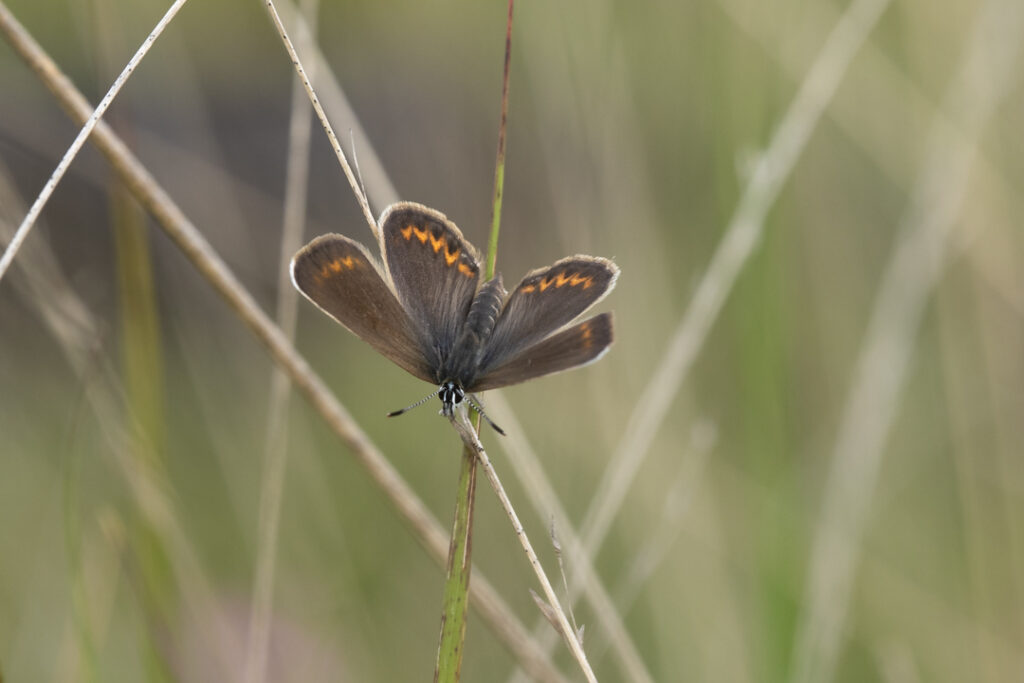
{"x":742,"y":236}
{"x":380,"y":189}
{"x":560,"y":620}
{"x":499,"y":166}
{"x":915,"y":267}
{"x":83,"y":134}
{"x":456,"y":589}
{"x":182,"y":232}
{"x":662,"y":537}
{"x":276,"y":443}
{"x":142,"y":370}
{"x":545,"y":502}
{"x":315,"y":101}
{"x":142,"y":356}
{"x":80,"y":612}
{"x":141,"y":365}
{"x":625,"y":209}
{"x":78,"y":336}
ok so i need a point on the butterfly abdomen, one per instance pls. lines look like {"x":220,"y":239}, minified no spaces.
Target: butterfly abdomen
{"x":464,"y":360}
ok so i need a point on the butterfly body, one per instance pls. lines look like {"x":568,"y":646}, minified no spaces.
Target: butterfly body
{"x":462,"y":364}
{"x":428,"y":312}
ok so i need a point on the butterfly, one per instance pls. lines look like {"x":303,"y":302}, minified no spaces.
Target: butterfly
{"x":427,"y":311}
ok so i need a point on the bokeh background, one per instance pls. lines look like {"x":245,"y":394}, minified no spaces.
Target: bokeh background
{"x":828,"y":480}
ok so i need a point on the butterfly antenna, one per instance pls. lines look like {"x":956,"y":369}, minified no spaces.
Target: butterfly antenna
{"x":396,"y":413}
{"x":478,"y":408}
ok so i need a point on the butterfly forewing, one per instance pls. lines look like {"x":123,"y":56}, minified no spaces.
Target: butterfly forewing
{"x":578,"y":345}
{"x":546,"y":300}
{"x":435,"y":272}
{"x":337,"y":275}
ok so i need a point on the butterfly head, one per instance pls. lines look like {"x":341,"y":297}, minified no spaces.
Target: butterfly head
{"x":451,"y":395}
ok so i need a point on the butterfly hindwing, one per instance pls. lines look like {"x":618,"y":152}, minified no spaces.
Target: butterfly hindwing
{"x":338,"y":275}
{"x":578,"y":345}
{"x":435,"y":272}
{"x":546,"y":300}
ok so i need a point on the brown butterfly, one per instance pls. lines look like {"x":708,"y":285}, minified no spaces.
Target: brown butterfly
{"x":428,"y":312}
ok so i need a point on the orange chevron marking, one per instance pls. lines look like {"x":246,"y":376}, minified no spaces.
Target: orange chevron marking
{"x":577,"y":280}
{"x":560,"y":280}
{"x":437,"y":242}
{"x":466,"y":270}
{"x":421,"y":234}
{"x":450,"y":257}
{"x":337,"y":265}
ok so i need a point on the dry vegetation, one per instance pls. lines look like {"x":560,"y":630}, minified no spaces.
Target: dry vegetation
{"x":801,"y":460}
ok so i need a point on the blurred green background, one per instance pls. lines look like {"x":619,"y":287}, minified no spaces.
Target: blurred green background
{"x":635,"y":130}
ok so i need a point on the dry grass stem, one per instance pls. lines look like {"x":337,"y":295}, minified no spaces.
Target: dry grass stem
{"x":170,"y":217}
{"x":742,"y":236}
{"x":915,"y":266}
{"x":469,"y":437}
{"x":527,"y":467}
{"x":77,"y":334}
{"x":335,"y":145}
{"x":276,"y":454}
{"x":888,"y":79}
{"x":649,"y":557}
{"x":379,"y":187}
{"x":90,"y":123}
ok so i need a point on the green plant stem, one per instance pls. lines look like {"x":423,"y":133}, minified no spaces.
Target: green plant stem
{"x":499,"y":166}
{"x":456,"y":592}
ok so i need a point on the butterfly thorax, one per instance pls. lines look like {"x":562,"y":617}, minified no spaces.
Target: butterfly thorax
{"x":462,"y":364}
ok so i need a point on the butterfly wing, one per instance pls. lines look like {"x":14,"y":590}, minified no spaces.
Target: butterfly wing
{"x":546,"y":300}
{"x":435,"y":272}
{"x":580,"y":344}
{"x":338,"y":275}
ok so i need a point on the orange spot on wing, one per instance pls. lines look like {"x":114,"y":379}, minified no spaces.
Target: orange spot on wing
{"x":587,"y":334}
{"x":347,"y":262}
{"x":437,"y":243}
{"x":560,"y":280}
{"x":577,"y":280}
{"x":450,"y":257}
{"x":421,"y":235}
{"x":337,"y":265}
{"x":407,"y":232}
{"x":466,"y":270}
